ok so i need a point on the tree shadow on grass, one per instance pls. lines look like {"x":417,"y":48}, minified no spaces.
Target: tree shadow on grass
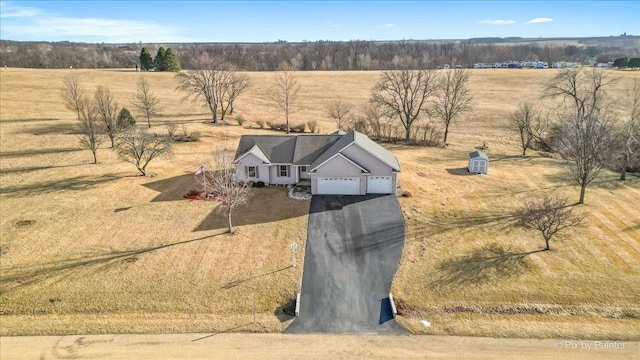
{"x":491,"y":263}
{"x":265,"y":205}
{"x":33,"y":168}
{"x":64,"y":128}
{"x":27,"y":120}
{"x":511,"y":158}
{"x":17,"y":276}
{"x":606,"y":180}
{"x":173,"y":188}
{"x":235,"y":283}
{"x":70,"y":184}
{"x":444,"y":222}
{"x":33,"y":152}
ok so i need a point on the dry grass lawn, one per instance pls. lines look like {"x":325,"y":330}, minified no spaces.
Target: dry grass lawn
{"x":96,"y":249}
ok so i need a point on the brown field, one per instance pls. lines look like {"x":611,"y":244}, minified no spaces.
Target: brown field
{"x":111,"y":252}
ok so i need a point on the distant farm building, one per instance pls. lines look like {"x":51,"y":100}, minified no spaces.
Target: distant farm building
{"x":478,"y":162}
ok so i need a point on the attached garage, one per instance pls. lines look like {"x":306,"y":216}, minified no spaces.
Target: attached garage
{"x":379,"y":185}
{"x":339,"y":185}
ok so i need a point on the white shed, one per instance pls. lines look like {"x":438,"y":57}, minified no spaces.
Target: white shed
{"x":478,"y":162}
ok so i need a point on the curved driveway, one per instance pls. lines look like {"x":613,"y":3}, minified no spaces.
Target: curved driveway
{"x":354,"y":244}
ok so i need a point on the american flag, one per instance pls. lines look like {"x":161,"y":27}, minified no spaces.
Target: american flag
{"x":200,"y":170}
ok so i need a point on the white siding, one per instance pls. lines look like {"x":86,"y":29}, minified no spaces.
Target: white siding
{"x":250,"y":160}
{"x":274,"y":173}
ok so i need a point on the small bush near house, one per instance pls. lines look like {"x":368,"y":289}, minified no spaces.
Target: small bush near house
{"x":260,"y":123}
{"x":313,"y":126}
{"x":278,"y":126}
{"x":240,"y":119}
{"x":259,"y":184}
{"x":299,"y":127}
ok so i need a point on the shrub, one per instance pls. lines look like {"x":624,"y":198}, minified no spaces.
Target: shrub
{"x":240,"y":119}
{"x":405,"y":194}
{"x":125,"y":119}
{"x":278,"y":126}
{"x":313,"y":126}
{"x":260,"y":123}
{"x":299,"y":127}
{"x":260,"y":184}
{"x":171,"y":130}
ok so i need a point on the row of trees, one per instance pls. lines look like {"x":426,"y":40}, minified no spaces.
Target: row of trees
{"x":588,"y":128}
{"x":165,"y":60}
{"x":319,"y":55}
{"x":101,"y":118}
{"x":625,"y":62}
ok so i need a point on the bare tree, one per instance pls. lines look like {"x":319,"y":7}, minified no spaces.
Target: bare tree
{"x":550,"y":216}
{"x":340,"y":112}
{"x":522,"y":121}
{"x":146,"y":102}
{"x":140,"y":147}
{"x":207,"y":82}
{"x":585,"y":142}
{"x":586,"y":127}
{"x":630,"y":132}
{"x":236,"y":84}
{"x":286,"y":92}
{"x":403,"y":94}
{"x":91,"y":128}
{"x":73,"y":94}
{"x":220,"y":177}
{"x":582,"y":91}
{"x":454,"y":97}
{"x":107,"y":110}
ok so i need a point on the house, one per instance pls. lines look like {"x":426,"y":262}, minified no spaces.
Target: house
{"x":478,"y":162}
{"x":336,"y":164}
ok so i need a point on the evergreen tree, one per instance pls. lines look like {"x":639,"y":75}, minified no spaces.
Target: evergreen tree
{"x":634,"y":63}
{"x":125,"y":119}
{"x":161,"y":59}
{"x":146,"y":61}
{"x":172,"y":63}
{"x":621,"y":63}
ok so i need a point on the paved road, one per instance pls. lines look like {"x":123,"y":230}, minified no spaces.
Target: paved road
{"x":354,"y":244}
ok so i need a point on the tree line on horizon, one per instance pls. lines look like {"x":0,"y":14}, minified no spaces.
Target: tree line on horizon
{"x":319,"y":55}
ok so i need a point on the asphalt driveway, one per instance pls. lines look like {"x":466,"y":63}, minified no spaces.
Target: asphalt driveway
{"x":354,"y":244}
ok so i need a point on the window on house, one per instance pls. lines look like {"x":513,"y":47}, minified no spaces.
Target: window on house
{"x":303,"y":169}
{"x":283,"y":171}
{"x":252,"y":171}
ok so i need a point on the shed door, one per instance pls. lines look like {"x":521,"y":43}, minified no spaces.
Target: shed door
{"x":339,"y":186}
{"x":478,"y":166}
{"x":379,"y":185}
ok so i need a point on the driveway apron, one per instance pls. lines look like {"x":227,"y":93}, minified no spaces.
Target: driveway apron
{"x":354,"y":244}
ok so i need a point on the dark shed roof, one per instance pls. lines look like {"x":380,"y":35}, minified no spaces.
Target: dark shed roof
{"x":478,"y":154}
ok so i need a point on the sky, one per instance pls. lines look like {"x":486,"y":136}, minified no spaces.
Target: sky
{"x":294,"y":21}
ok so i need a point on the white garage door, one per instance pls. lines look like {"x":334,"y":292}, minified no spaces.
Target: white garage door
{"x":379,"y":185}
{"x":339,"y":186}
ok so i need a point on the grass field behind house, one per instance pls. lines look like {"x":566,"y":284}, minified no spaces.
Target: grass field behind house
{"x":97,"y":249}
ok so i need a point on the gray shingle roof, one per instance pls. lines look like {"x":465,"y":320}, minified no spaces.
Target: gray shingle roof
{"x":311,"y":149}
{"x":478,"y":154}
{"x":364,"y":142}
{"x":288,"y":149}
